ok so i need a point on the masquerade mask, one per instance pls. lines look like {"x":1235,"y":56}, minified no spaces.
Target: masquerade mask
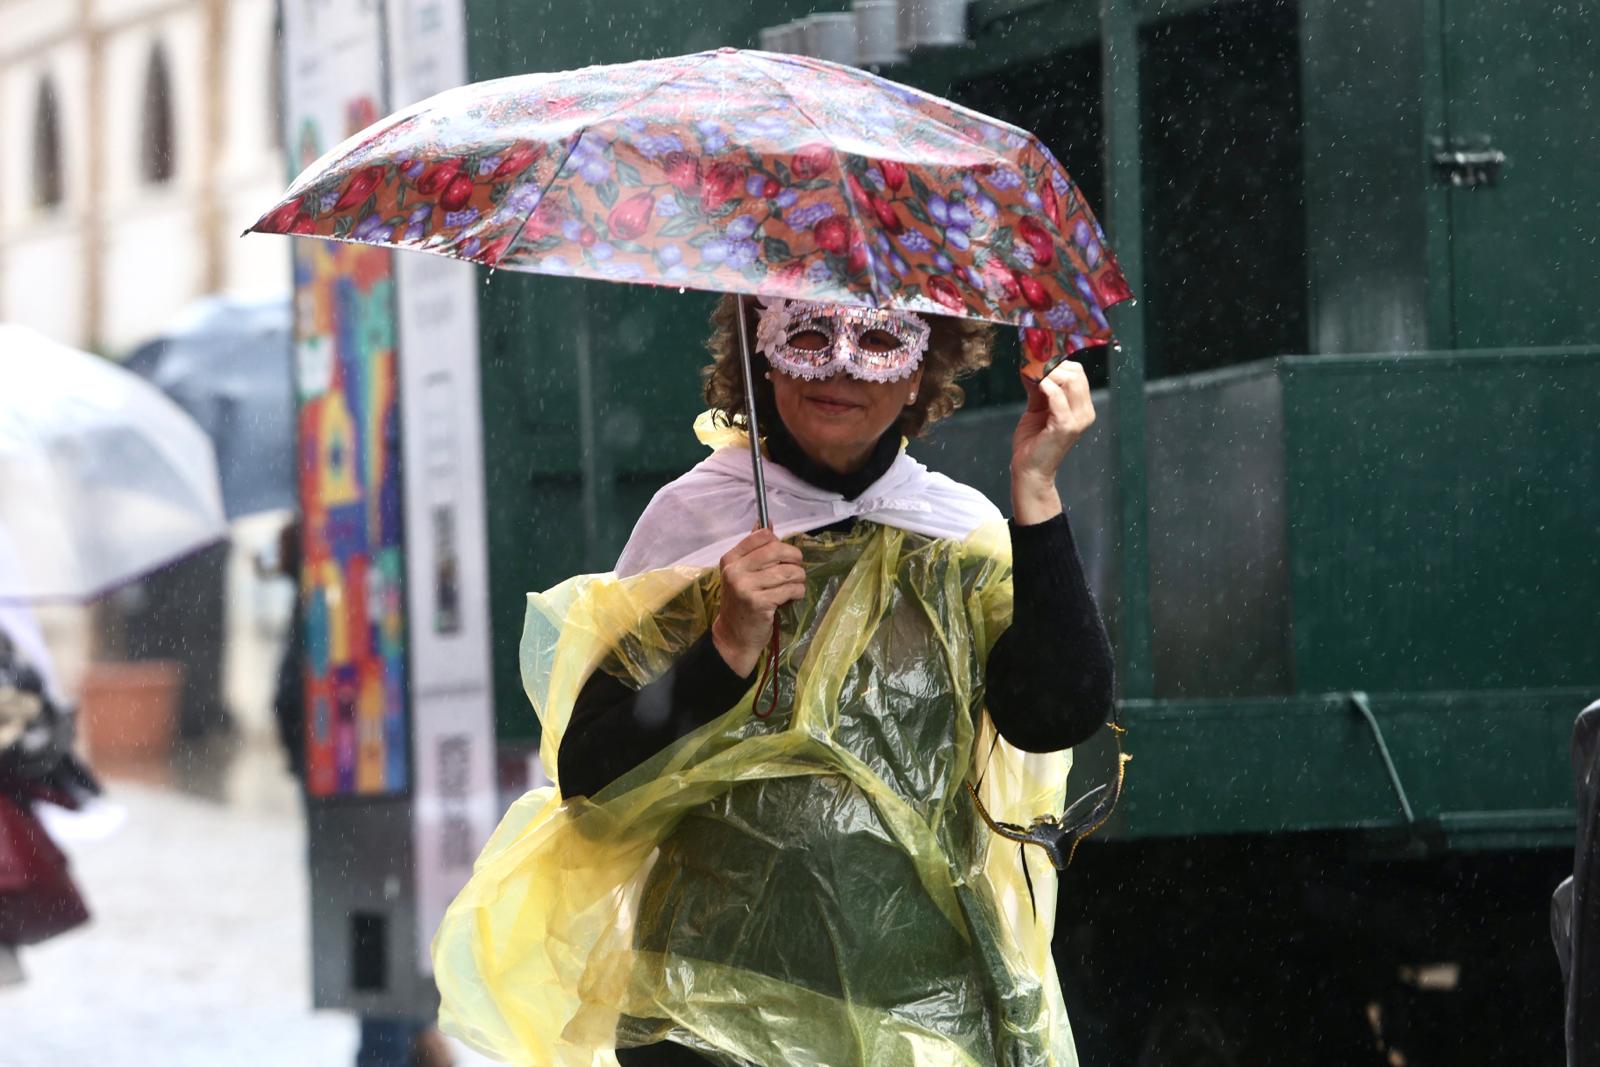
{"x":806,"y":340}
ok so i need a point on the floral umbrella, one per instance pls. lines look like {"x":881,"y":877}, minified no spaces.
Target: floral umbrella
{"x":732,"y":171}
{"x":743,"y":172}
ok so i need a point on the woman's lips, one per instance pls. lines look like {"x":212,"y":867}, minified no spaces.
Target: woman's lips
{"x":832,"y":404}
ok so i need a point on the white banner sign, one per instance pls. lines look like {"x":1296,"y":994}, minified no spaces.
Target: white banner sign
{"x":447,"y":557}
{"x":333,"y":80}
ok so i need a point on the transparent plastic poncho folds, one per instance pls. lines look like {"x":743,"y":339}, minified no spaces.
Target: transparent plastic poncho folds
{"x":812,"y":888}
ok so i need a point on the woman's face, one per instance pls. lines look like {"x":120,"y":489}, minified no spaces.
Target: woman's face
{"x":836,"y":421}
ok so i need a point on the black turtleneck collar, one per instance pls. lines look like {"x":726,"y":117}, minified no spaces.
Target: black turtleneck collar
{"x":783,"y":449}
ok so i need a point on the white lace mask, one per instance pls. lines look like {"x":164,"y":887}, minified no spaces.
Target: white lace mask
{"x":808,"y":340}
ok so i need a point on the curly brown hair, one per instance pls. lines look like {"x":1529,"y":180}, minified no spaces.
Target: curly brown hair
{"x":956,"y":349}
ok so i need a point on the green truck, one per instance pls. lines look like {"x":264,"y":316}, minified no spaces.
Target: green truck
{"x":1340,"y":507}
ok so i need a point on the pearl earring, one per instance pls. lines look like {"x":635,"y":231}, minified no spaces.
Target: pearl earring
{"x":767,"y":375}
{"x":913,"y":399}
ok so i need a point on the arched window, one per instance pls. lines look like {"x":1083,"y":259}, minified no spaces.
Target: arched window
{"x":47,"y":178}
{"x":156,"y":156}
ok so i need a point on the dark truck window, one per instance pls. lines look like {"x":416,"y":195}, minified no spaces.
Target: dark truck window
{"x":1224,"y":204}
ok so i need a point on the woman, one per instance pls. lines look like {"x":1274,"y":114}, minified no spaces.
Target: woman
{"x":800,"y":877}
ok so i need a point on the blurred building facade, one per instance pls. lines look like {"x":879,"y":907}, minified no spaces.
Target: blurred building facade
{"x":137,"y":139}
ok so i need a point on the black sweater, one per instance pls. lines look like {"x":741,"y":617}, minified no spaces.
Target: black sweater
{"x":1048,"y":681}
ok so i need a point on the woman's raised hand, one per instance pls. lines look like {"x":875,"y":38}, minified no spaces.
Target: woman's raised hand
{"x":1059,"y":411}
{"x":759,"y":575}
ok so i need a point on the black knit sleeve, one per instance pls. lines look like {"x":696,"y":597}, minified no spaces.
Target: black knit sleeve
{"x":615,"y":727}
{"x":1049,"y":681}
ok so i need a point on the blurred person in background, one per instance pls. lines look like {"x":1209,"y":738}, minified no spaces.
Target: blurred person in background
{"x":38,"y":898}
{"x":288,"y":698}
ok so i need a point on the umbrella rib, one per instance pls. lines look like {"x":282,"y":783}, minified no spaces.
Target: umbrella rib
{"x":878,"y":299}
{"x":572,"y":146}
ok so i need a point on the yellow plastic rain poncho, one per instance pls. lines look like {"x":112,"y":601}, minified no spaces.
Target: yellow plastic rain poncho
{"x":811,"y":888}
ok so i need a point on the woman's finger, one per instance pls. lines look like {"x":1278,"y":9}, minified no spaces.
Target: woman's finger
{"x":754,"y":540}
{"x":1074,"y":384}
{"x":765,"y":601}
{"x":769,"y":554}
{"x":1036,"y":398}
{"x":785,"y":594}
{"x":760,"y":549}
{"x":1069,"y":376}
{"x":772,"y":577}
{"x":1077,"y":406}
{"x":1056,"y":399}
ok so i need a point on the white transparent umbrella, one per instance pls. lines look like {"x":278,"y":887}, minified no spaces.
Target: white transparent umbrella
{"x":102,"y":478}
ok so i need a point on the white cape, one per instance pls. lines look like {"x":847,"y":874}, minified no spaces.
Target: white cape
{"x":695,"y":520}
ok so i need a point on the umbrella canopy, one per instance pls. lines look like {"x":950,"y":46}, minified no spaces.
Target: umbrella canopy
{"x":732,"y":171}
{"x":226,"y":361}
{"x":102,"y":479}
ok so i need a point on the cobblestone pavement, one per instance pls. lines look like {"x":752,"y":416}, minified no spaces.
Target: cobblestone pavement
{"x":198,"y":953}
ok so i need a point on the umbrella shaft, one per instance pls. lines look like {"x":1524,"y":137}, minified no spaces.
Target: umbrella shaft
{"x":750,"y":414}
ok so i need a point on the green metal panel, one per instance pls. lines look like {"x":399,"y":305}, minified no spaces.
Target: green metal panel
{"x":1469,"y":764}
{"x":1443,"y":519}
{"x":1436,"y":520}
{"x":530,"y":470}
{"x":1525,"y":251}
{"x":1219,"y":601}
{"x":1392,"y":523}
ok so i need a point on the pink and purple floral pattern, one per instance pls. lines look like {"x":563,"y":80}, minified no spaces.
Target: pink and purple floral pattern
{"x":731,"y":171}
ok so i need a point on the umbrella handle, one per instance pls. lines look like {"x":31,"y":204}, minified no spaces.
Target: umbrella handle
{"x":750,"y":415}
{"x":769,"y":673}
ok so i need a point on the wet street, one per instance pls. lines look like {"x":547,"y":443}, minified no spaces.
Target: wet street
{"x":198,"y":952}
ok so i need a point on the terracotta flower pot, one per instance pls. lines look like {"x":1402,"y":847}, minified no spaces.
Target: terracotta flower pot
{"x":129,"y":712}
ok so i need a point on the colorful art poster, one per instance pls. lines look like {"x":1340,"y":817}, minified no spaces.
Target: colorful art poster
{"x":352,"y":522}
{"x":352,"y":579}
